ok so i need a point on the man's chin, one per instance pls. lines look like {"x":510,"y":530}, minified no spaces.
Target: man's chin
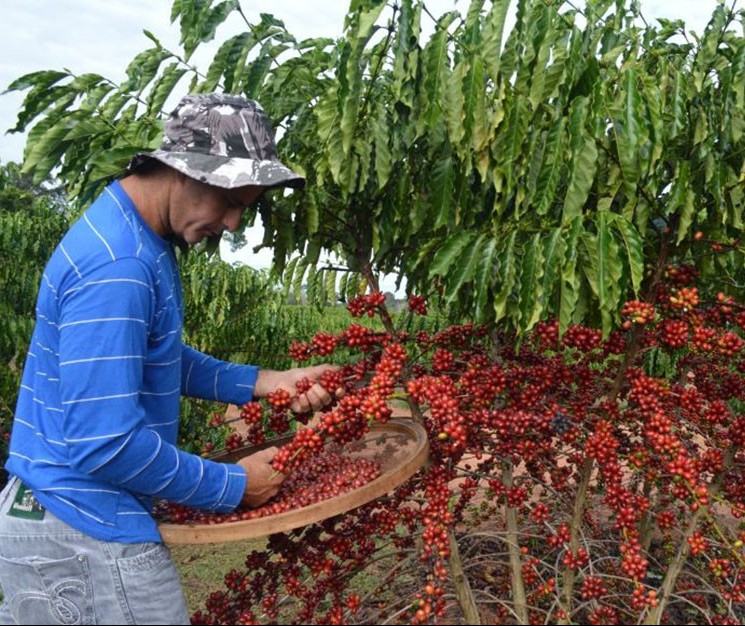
{"x":204,"y":239}
{"x":209,"y":242}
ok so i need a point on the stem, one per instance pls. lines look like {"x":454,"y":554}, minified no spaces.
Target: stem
{"x":460,"y":581}
{"x":684,"y":548}
{"x":645,"y":526}
{"x":673,"y":570}
{"x":513,"y":547}
{"x":294,"y":456}
{"x":632,"y":349}
{"x":579,"y":510}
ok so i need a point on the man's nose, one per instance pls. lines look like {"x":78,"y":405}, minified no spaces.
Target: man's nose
{"x":232,"y":219}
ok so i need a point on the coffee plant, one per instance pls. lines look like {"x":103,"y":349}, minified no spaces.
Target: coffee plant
{"x":572,"y":478}
{"x":520,"y":158}
{"x":32,"y":219}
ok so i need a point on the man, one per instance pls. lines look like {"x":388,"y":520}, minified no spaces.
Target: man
{"x":93,"y":440}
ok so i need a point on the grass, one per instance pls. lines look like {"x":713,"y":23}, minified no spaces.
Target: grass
{"x":202,"y":567}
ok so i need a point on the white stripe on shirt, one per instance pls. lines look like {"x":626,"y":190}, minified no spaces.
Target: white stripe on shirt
{"x":149,"y":461}
{"x":112,"y":455}
{"x":106,"y":282}
{"x":199,"y":483}
{"x":43,"y":461}
{"x":102,"y":319}
{"x":100,"y":236}
{"x":104,"y":358}
{"x":72,"y":263}
{"x":79,"y":510}
{"x":95,"y":438}
{"x":79,"y":489}
{"x":111,"y":397}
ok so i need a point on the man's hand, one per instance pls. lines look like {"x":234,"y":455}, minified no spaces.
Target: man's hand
{"x":312,"y":400}
{"x":262,"y":482}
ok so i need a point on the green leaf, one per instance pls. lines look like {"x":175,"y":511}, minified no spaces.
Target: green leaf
{"x":465,"y":268}
{"x":42,"y":79}
{"x":491,"y":46}
{"x":508,"y":150}
{"x":435,"y":68}
{"x":312,"y":252}
{"x":553,"y":251}
{"x":570,"y":280}
{"x":531,"y":302}
{"x":687,"y":215}
{"x":330,"y":286}
{"x":405,"y":56}
{"x":288,"y":274}
{"x":448,"y":254}
{"x":634,"y":246}
{"x":677,"y":107}
{"x":551,"y":170}
{"x":50,"y":102}
{"x":164,"y":87}
{"x":360,"y":31}
{"x":143,"y":68}
{"x":507,"y":263}
{"x":485,"y":273}
{"x":583,"y":166}
{"x":477,"y":124}
{"x":455,"y":104}
{"x":152,"y":37}
{"x":251,"y":80}
{"x":330,"y":137}
{"x":44,"y":150}
{"x":343,"y":285}
{"x":608,"y":270}
{"x":228,"y":62}
{"x":443,"y":183}
{"x":312,"y":218}
{"x":380,"y":136}
{"x":628,"y":129}
{"x":679,"y":191}
{"x":590,"y":249}
{"x":297,"y":281}
{"x":199,"y":21}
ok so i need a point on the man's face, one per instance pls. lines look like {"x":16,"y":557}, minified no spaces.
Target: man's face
{"x":198,"y":211}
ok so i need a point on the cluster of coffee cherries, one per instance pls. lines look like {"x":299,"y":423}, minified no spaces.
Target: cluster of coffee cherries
{"x":350,"y":419}
{"x":636,"y":312}
{"x":366,"y":304}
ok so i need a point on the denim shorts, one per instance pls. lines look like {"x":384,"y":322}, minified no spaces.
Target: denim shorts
{"x":51,"y":573}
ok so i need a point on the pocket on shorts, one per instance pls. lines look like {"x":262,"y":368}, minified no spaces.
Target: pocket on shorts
{"x":47,"y":591}
{"x":152,"y":587}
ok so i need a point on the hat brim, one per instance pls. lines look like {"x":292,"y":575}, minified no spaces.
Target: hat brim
{"x":226,"y":172}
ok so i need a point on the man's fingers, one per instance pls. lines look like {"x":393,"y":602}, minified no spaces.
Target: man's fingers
{"x":262,"y":481}
{"x":313,"y":400}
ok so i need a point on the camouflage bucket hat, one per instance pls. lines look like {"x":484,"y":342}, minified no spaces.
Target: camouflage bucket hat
{"x":222,"y":140}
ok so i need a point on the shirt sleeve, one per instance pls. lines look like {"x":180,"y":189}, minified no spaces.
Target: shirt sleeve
{"x":103,"y":343}
{"x":203,"y":376}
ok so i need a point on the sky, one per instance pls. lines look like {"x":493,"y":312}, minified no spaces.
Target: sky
{"x":103,"y":36}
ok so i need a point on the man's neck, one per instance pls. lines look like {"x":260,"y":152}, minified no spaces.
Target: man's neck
{"x":149,"y":194}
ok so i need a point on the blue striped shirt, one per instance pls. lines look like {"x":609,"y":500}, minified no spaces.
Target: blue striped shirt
{"x":98,"y":410}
